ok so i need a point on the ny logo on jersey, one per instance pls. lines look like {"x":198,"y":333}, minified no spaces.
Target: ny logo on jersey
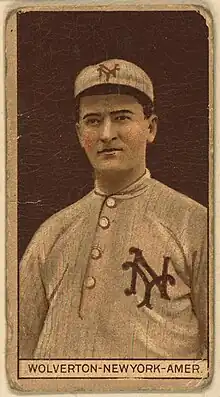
{"x":103,"y":69}
{"x":139,"y":263}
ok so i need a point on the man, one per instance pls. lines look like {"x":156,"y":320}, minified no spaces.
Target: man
{"x":122,"y":272}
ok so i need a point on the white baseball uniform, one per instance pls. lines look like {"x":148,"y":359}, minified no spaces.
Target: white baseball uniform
{"x":90,"y":265}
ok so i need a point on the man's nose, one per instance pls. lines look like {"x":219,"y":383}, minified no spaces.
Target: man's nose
{"x":107,"y":132}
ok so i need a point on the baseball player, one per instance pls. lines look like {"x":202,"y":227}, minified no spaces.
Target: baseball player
{"x":123,"y":271}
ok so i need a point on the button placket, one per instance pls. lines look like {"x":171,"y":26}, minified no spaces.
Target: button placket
{"x":104,"y":220}
{"x":94,"y":278}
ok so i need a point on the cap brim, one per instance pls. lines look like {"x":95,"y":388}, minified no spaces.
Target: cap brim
{"x":120,"y":89}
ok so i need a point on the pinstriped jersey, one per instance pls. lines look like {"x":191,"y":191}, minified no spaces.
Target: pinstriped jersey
{"x":119,"y":276}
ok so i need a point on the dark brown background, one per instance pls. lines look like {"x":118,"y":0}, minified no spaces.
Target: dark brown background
{"x":172,"y":46}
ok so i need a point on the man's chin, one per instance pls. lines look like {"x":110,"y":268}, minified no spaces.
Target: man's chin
{"x":110,"y":167}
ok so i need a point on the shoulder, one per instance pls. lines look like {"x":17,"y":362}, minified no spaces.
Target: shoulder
{"x":67,"y":215}
{"x":59,"y":223}
{"x":174,"y":208}
{"x":166,"y":194}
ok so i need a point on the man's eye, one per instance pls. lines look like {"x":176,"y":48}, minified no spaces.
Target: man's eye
{"x":92,"y":121}
{"x":122,"y":117}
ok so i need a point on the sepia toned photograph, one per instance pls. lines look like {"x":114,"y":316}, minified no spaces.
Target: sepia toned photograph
{"x":109,"y":199}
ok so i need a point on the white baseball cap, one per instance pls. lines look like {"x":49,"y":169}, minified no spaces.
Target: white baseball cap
{"x":114,"y":72}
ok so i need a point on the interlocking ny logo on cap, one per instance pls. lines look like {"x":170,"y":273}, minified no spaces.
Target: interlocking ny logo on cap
{"x":104,"y":70}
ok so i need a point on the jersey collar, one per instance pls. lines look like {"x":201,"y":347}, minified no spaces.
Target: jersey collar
{"x":133,"y":190}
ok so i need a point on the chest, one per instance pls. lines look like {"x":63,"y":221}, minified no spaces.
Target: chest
{"x":123,"y":256}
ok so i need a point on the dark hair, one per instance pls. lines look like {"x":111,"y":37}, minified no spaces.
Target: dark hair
{"x":144,"y":100}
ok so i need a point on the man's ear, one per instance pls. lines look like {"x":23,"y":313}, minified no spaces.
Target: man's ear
{"x":77,"y":127}
{"x":152,"y":127}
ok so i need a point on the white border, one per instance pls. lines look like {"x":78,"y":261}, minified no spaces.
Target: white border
{"x":214,"y":6}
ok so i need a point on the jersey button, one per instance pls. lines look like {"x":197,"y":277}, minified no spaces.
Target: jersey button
{"x":90,"y":282}
{"x":96,"y":253}
{"x":110,"y":202}
{"x":104,"y":222}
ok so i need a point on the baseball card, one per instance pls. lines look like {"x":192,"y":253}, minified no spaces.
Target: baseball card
{"x":109,"y":198}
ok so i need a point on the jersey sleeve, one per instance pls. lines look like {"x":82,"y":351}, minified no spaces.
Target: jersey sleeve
{"x":33,"y":303}
{"x":200,"y":276}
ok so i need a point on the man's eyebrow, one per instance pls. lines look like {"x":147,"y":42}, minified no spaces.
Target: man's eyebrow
{"x":112,"y":113}
{"x":121,"y":111}
{"x":91,"y":115}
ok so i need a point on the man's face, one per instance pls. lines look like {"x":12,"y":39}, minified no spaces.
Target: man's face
{"x":114,"y":131}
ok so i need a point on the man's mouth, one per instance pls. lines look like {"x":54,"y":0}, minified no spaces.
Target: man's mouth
{"x":109,"y":150}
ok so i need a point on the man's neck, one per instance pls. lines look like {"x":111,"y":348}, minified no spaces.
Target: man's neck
{"x":113,"y":182}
